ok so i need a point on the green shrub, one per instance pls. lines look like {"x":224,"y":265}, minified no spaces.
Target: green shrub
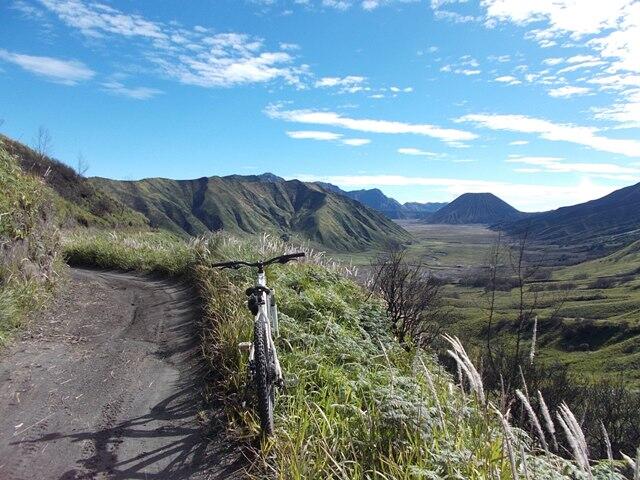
{"x":29,"y":244}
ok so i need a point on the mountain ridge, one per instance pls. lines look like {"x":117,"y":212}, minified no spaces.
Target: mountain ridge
{"x":607,"y":222}
{"x":255,"y":204}
{"x":376,"y":199}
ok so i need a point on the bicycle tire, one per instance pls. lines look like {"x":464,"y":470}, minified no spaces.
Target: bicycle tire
{"x":264,"y":381}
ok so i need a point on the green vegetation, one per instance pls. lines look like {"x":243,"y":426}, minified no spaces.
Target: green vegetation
{"x":76,"y":202}
{"x":154,"y":252}
{"x":449,"y":249}
{"x":29,"y":244}
{"x":255,"y":205}
{"x":358,"y":405}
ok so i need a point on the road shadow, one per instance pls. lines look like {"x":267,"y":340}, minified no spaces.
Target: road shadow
{"x":169,"y":442}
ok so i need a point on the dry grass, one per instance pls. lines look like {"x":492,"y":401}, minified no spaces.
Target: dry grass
{"x":361,"y":406}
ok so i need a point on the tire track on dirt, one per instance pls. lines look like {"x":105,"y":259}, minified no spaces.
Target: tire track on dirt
{"x":107,"y":385}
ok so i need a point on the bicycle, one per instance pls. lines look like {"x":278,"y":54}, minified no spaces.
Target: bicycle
{"x":264,"y":367}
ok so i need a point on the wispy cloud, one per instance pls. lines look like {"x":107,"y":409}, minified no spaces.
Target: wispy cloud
{"x":511,"y":80}
{"x":525,"y":196}
{"x":416,"y":152}
{"x":340,"y":5}
{"x":569,"y":91}
{"x":96,"y":19}
{"x":559,"y":165}
{"x":587,"y":136}
{"x":608,"y":30}
{"x":192,"y":56}
{"x":348,"y":84}
{"x":67,"y":72}
{"x":441,"y":12}
{"x":137,"y":93}
{"x":466,"y":65}
{"x":327,"y":136}
{"x":315,"y":117}
{"x":626,"y":113}
{"x":356,"y":142}
{"x":313,"y":135}
{"x":519,"y":142}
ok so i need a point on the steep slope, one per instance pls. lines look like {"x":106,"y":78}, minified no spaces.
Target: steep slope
{"x":605,"y":223}
{"x":483,"y":208}
{"x":253,"y":205}
{"x":78,"y":201}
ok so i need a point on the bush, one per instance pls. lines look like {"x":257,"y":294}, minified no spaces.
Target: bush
{"x":602,"y":283}
{"x":29,"y":244}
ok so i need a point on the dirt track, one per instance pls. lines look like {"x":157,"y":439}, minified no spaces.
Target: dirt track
{"x":106,"y":385}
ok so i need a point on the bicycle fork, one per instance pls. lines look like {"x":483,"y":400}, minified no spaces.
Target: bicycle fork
{"x":264,"y":320}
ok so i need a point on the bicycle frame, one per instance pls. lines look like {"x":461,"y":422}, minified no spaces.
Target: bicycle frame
{"x":267,"y":318}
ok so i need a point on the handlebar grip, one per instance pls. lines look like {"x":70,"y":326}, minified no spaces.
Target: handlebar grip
{"x":225,"y":265}
{"x":291,"y":256}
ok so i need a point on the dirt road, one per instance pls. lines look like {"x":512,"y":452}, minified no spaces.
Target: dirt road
{"x":106,"y":385}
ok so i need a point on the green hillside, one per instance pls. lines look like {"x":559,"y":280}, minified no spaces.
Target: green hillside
{"x":29,"y":244}
{"x":78,"y":202}
{"x":625,"y":261}
{"x":253,"y":205}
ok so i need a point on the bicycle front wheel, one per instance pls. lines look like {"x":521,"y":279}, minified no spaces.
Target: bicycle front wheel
{"x":264,"y":378}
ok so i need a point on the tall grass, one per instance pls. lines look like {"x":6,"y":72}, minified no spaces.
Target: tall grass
{"x":29,"y":245}
{"x":357,"y":405}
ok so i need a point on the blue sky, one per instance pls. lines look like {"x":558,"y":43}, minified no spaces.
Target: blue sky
{"x":537,"y":102}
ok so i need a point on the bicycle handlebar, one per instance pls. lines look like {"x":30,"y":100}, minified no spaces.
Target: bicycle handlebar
{"x":282,"y":259}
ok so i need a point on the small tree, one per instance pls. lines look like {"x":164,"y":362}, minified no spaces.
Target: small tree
{"x":512,"y":265}
{"x":82,"y":165}
{"x":413,"y":298}
{"x":42,"y":143}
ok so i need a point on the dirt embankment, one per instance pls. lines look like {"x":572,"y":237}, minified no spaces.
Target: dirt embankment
{"x":107,"y":385}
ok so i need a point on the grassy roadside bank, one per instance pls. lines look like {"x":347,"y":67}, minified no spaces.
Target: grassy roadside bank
{"x":30,"y":263}
{"x":358,"y":405}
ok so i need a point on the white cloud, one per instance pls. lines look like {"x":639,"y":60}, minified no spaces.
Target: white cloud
{"x":627,"y":112}
{"x":508,"y":79}
{"x":137,"y":93}
{"x":97,"y":19}
{"x":587,"y":136}
{"x":348,"y":84}
{"x":568,"y":91}
{"x":416,"y":152}
{"x":333,"y":119}
{"x":519,"y":142}
{"x":553,"y":61}
{"x":444,"y":14}
{"x":313,"y":135}
{"x":613,"y":26}
{"x":340,"y":5}
{"x":356,"y":142}
{"x":524,"y":196}
{"x":558,"y":165}
{"x":607,"y":30}
{"x":192,"y":56}
{"x":466,"y":65}
{"x":327,"y":136}
{"x":67,"y":72}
